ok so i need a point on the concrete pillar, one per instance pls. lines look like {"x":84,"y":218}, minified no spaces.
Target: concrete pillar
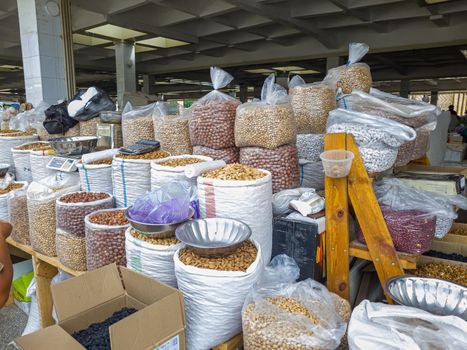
{"x":126,"y":72}
{"x":243,"y":95}
{"x":149,"y":84}
{"x":42,"y":50}
{"x":333,"y":62}
{"x":405,"y":88}
{"x":434,"y":98}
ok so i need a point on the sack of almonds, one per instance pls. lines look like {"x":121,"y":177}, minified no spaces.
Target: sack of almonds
{"x":214,"y":290}
{"x":213,"y":116}
{"x":311,"y":104}
{"x":153,"y":257}
{"x":228,"y":155}
{"x":269,"y":123}
{"x":282,"y":314}
{"x":282,"y":162}
{"x":137,"y":123}
{"x":354,"y":75}
{"x":171,"y":130}
{"x":235,"y":191}
{"x":132,"y":176}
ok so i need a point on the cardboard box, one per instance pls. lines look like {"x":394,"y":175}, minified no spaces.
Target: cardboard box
{"x":96,"y":295}
{"x":443,"y":180}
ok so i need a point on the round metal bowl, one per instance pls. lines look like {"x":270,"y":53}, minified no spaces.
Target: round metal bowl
{"x":434,"y":295}
{"x":156,"y":230}
{"x":213,"y":237}
{"x":4,"y":169}
{"x":73,"y":146}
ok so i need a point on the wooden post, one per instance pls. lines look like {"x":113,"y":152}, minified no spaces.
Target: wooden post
{"x":44,"y":273}
{"x":371,"y":220}
{"x":337,"y":225}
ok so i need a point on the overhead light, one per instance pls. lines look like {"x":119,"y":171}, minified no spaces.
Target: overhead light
{"x":259,"y":71}
{"x":6,"y":67}
{"x":138,"y":48}
{"x":115,"y":32}
{"x":464,"y":52}
{"x":305,"y":71}
{"x":88,"y":40}
{"x":288,"y":68}
{"x":162,"y":42}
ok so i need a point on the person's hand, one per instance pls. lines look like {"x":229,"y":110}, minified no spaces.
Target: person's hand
{"x":5,"y":229}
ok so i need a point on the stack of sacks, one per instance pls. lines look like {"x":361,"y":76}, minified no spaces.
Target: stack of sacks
{"x":212,"y":121}
{"x":266,"y":134}
{"x":418,"y":115}
{"x":21,"y":157}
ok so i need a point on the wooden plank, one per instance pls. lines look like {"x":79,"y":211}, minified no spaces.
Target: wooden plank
{"x":359,"y":250}
{"x":18,"y":246}
{"x":371,"y":220}
{"x":460,"y":239}
{"x":53,"y":261}
{"x":44,"y":272}
{"x":337,"y":225}
{"x":232,"y":344}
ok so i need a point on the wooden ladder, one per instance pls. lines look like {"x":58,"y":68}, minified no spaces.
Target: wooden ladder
{"x":356,"y":187}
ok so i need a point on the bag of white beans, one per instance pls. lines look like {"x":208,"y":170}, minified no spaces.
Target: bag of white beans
{"x":137,"y":123}
{"x":238,"y":199}
{"x":214,"y":300}
{"x":172,"y":169}
{"x":269,"y":123}
{"x":152,"y":257}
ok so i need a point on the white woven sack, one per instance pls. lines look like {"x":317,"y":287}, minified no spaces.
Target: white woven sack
{"x":247,"y":201}
{"x":39,"y":161}
{"x":95,"y":177}
{"x":214,"y":300}
{"x":9,"y":142}
{"x":4,"y":203}
{"x":131,"y":180}
{"x":163,"y":174}
{"x":311,"y":174}
{"x":21,"y":158}
{"x":155,"y":261}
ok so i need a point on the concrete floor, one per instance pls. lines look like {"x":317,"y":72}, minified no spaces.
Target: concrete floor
{"x":12,"y":323}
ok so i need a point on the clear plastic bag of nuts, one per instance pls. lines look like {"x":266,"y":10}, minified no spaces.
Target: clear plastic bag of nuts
{"x":105,"y":238}
{"x":18,"y":213}
{"x":354,"y":75}
{"x":311,"y":104}
{"x":282,"y":314}
{"x":73,"y":207}
{"x":137,"y":123}
{"x":212,"y":118}
{"x":282,"y":162}
{"x":71,"y":250}
{"x":171,"y":130}
{"x":269,"y":123}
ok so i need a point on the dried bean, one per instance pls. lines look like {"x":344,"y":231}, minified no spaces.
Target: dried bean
{"x":421,"y":143}
{"x":149,"y":155}
{"x":174,"y":135}
{"x":11,"y":187}
{"x":42,"y":225}
{"x":282,"y":162}
{"x":156,"y":241}
{"x":137,"y":128}
{"x":228,"y":155}
{"x":34,"y":146}
{"x":405,"y":153}
{"x":443,"y":225}
{"x":19,"y":219}
{"x":356,"y":76}
{"x":412,"y":231}
{"x":212,"y":124}
{"x":71,"y":250}
{"x":73,"y":207}
{"x":311,"y":105}
{"x":449,"y":272}
{"x":180,"y":162}
{"x":89,"y":127}
{"x":262,"y":125}
{"x":235,"y":172}
{"x":310,"y":146}
{"x":101,"y":162}
{"x":239,"y":260}
{"x":105,"y":238}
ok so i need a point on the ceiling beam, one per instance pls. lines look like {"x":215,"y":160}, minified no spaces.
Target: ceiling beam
{"x":386,"y":61}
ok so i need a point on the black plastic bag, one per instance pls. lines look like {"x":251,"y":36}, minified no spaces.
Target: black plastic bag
{"x":98,"y":103}
{"x":57,"y":120}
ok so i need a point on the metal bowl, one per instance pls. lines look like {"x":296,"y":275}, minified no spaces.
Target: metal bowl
{"x":73,"y":146}
{"x":4,"y":169}
{"x":156,"y":230}
{"x":113,"y":117}
{"x":213,"y":237}
{"x":434,"y":295}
